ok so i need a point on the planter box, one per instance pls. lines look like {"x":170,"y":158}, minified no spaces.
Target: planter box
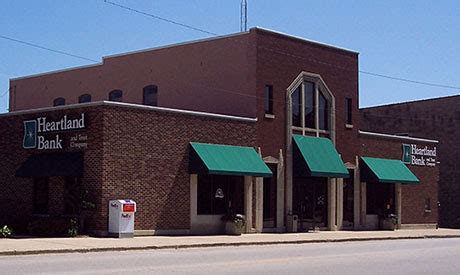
{"x":387,"y":224}
{"x":232,"y":228}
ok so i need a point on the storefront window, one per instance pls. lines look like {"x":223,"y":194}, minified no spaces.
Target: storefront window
{"x":217,"y":194}
{"x":41,"y":194}
{"x":72,"y":193}
{"x":380,"y":198}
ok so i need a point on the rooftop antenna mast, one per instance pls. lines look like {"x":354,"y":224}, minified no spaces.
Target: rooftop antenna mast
{"x":244,"y":16}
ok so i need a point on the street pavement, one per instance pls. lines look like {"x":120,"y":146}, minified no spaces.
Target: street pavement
{"x":89,"y":244}
{"x":418,"y":256}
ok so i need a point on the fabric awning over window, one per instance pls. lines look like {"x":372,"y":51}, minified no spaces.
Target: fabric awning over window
{"x":386,"y":171}
{"x":220,"y":159}
{"x":49,"y":165}
{"x":317,"y":157}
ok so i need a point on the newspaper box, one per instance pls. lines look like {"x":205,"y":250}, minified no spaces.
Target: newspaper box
{"x":121,"y":218}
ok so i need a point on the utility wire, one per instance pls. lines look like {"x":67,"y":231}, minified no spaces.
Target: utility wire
{"x":4,"y":94}
{"x":160,"y":18}
{"x":46,"y":48}
{"x":215,"y":34}
{"x":411,"y":81}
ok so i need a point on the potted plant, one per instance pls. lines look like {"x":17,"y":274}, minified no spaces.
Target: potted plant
{"x":388,"y":222}
{"x":234,"y":223}
{"x":5,"y":232}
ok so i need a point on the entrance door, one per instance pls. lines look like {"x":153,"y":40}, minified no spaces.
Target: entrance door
{"x":310,"y":202}
{"x":270,"y":190}
{"x":348,"y":201}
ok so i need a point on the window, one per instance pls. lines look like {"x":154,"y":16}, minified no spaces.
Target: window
{"x":41,"y":190}
{"x":217,"y":194}
{"x":323,"y":112}
{"x":427,"y":205}
{"x":268,"y":99}
{"x":349,"y":110}
{"x":84,"y":98}
{"x":311,"y":106}
{"x":150,"y":95}
{"x":59,"y":101}
{"x":116,"y":95}
{"x":296,"y":108}
{"x":309,"y":113}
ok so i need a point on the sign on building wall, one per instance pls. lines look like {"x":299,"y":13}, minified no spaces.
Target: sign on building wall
{"x":420,"y":156}
{"x":44,"y":134}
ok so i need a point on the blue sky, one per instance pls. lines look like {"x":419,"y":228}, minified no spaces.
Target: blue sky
{"x":416,"y":40}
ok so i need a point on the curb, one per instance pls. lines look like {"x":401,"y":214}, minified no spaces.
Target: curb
{"x":204,"y":245}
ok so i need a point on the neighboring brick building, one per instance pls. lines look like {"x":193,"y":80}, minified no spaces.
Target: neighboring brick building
{"x":436,"y":118}
{"x":293,"y":100}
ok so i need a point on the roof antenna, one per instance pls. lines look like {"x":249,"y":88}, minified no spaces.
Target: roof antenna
{"x":244,"y":16}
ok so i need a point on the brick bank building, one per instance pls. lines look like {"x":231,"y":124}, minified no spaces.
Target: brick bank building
{"x":260,"y":122}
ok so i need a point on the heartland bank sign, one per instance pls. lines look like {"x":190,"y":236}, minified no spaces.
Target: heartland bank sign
{"x":420,"y":156}
{"x":35,"y":129}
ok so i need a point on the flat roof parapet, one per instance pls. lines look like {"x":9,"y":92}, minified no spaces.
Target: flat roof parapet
{"x":130,"y":105}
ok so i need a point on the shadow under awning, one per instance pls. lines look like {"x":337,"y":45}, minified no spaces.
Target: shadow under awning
{"x":54,"y":164}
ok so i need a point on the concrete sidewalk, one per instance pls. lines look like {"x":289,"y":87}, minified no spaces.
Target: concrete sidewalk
{"x":89,"y":244}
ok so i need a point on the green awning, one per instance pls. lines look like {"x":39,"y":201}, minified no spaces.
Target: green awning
{"x":386,"y":171}
{"x":220,"y":159}
{"x":317,"y":157}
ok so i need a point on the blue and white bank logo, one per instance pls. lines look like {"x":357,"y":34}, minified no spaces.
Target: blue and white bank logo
{"x":422,"y":156}
{"x":38,"y":133}
{"x":407,"y":154}
{"x":30,"y":134}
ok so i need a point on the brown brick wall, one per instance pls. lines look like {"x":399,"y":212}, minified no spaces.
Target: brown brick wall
{"x":146,"y":159}
{"x":213,"y":76}
{"x":413,"y":196}
{"x":435,"y":119}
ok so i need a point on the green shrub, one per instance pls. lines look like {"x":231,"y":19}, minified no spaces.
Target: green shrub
{"x":73,"y":229}
{"x":5,"y":232}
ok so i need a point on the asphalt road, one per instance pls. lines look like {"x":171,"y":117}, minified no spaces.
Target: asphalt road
{"x":425,"y":256}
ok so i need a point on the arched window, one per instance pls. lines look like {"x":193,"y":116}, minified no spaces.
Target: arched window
{"x":59,"y":101}
{"x":311,"y":104}
{"x":84,"y":98}
{"x":116,"y":95}
{"x":150,"y":95}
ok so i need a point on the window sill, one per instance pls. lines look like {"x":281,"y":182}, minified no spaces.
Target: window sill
{"x":269,"y":116}
{"x":310,"y":130}
{"x":349,"y":126}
